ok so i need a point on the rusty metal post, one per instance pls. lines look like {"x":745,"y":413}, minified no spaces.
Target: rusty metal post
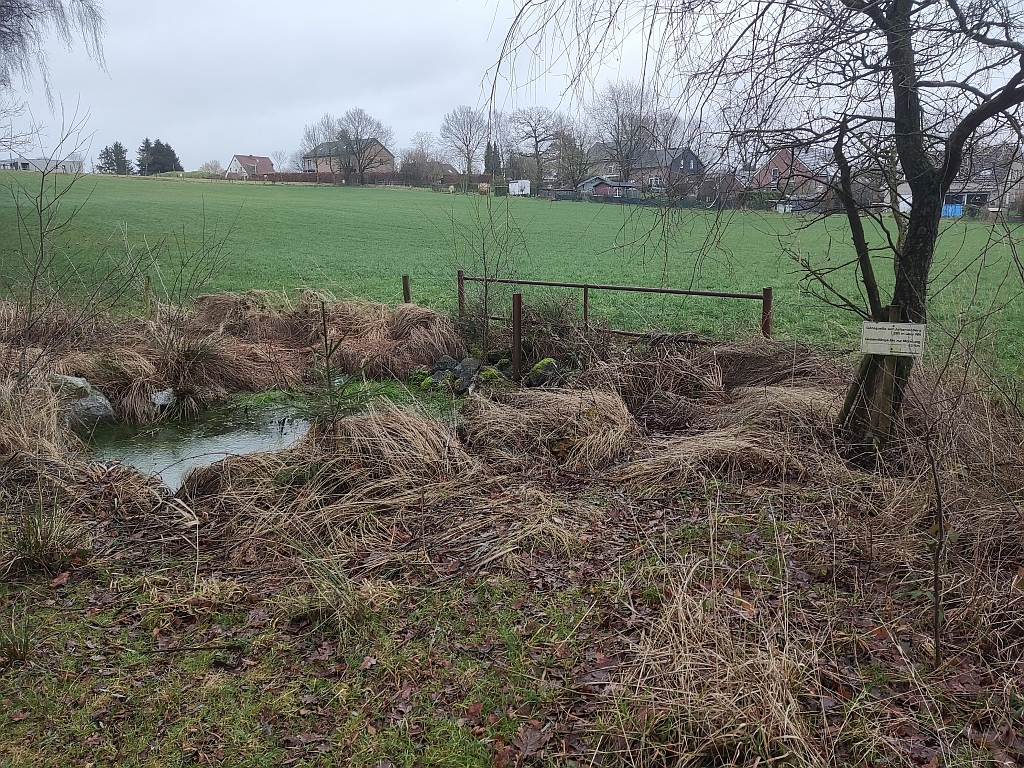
{"x":406,"y":292}
{"x":517,"y":336}
{"x":462,"y":293}
{"x":766,"y":312}
{"x":586,"y":308}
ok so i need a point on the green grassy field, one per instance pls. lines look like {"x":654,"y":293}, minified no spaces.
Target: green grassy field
{"x":358,"y":242}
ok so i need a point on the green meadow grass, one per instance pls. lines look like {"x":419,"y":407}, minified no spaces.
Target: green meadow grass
{"x":359,"y":242}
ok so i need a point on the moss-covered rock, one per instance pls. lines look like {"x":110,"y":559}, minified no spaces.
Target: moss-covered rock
{"x":544,"y":372}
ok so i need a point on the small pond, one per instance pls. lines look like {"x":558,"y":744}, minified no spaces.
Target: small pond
{"x":171,"y":450}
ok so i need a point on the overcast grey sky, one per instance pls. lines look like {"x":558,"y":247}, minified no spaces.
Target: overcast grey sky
{"x":219,"y":77}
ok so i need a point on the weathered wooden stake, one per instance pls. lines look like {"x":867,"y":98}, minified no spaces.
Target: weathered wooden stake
{"x":406,"y":290}
{"x":517,"y":336}
{"x":766,"y":312}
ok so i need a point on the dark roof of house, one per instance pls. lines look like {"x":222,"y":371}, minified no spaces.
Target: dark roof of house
{"x":651,"y":157}
{"x":331,"y":148}
{"x":610,"y":182}
{"x":262,"y":164}
{"x":660,"y":157}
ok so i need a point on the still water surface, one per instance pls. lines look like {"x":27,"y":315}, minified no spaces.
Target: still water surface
{"x":170,"y":451}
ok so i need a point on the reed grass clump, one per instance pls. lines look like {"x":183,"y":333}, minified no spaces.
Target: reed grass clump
{"x":580,"y":430}
{"x":31,"y":421}
{"x":732,"y":454}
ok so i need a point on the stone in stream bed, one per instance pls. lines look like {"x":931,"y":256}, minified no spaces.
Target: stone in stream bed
{"x":87,"y":407}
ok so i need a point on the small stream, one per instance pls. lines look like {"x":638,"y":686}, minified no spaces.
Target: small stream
{"x":171,"y":450}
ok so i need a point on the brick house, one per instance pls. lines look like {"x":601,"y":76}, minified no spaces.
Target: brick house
{"x":330,"y":157}
{"x":245,"y":167}
{"x":654,"y":168}
{"x":677,"y":170}
{"x":792,"y":174}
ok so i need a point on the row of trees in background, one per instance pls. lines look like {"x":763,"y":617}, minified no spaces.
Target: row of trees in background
{"x":534,"y":143}
{"x":151,"y":158}
{"x":619,"y":124}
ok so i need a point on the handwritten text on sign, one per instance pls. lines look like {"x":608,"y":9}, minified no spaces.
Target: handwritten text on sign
{"x":902,"y":339}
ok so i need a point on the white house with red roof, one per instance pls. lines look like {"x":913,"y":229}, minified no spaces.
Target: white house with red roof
{"x":245,"y":167}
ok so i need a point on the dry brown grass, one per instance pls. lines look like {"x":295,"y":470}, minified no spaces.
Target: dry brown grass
{"x":349,"y":480}
{"x":374,"y":338}
{"x":714,"y":681}
{"x":663,"y":390}
{"x":200,"y":368}
{"x":31,"y":422}
{"x":126,"y":376}
{"x":231,"y":342}
{"x":581,"y":430}
{"x":51,"y":326}
{"x":732,"y":454}
{"x":794,"y":631}
{"x":790,"y":409}
{"x":759,"y":362}
{"x":391,"y":342}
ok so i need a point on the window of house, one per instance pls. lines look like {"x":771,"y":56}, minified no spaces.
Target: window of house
{"x":775,"y":174}
{"x":656,"y":182}
{"x":618,"y":191}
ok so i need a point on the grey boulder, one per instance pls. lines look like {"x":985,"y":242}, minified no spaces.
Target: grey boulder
{"x":86,"y":406}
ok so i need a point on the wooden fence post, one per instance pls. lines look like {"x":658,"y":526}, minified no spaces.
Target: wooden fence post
{"x":517,"y":336}
{"x":766,"y":312}
{"x":462,"y":293}
{"x":406,"y":291}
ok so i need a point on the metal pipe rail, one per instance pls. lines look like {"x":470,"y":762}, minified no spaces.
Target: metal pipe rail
{"x":765,"y":297}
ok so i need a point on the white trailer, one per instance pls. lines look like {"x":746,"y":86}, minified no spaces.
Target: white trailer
{"x":519,"y":188}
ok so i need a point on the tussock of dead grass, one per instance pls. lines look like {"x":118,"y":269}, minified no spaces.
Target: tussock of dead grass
{"x":391,"y":441}
{"x":663,"y":390}
{"x":374,"y":338}
{"x":676,"y":389}
{"x":712,"y":683}
{"x":759,"y":362}
{"x":48,"y":327}
{"x":200,"y":368}
{"x":126,"y":376}
{"x":31,"y":422}
{"x":231,"y":342}
{"x":252,"y":315}
{"x":391,"y":342}
{"x":731,"y":454}
{"x":345,"y":481}
{"x":581,"y":430}
{"x":790,"y":409}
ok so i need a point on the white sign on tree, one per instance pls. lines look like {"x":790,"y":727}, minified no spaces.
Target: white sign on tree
{"x":899,"y":339}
